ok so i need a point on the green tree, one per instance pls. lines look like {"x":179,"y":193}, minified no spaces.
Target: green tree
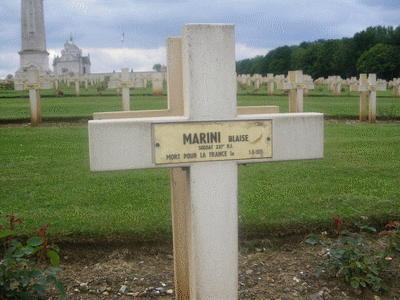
{"x":244,"y":66}
{"x":384,"y":60}
{"x":323,"y":58}
{"x":256,"y":65}
{"x":297,"y":59}
{"x":277,"y":61}
{"x":342,"y":59}
{"x":310,"y":60}
{"x":325,"y":54}
{"x":157,"y":67}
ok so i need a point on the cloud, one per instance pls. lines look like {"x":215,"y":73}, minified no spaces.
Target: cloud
{"x":242,"y":52}
{"x":391,"y":4}
{"x":106,"y":60}
{"x":9,"y":63}
{"x":97,"y":25}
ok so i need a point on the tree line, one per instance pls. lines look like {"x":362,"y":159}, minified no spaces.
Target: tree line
{"x":374,"y":50}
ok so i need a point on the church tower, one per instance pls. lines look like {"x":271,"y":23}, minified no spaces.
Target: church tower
{"x":33,"y":52}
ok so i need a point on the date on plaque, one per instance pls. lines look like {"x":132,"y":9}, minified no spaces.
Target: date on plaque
{"x":211,"y":141}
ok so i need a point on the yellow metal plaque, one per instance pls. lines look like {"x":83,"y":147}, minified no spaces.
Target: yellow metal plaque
{"x":211,"y":141}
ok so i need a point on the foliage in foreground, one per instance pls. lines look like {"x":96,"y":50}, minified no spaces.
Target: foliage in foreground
{"x":20,"y":277}
{"x":353,"y":260}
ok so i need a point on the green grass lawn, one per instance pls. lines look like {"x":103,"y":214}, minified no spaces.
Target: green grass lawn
{"x":45,"y":178}
{"x":15,"y":105}
{"x":323,"y":101}
{"x":84,"y":107}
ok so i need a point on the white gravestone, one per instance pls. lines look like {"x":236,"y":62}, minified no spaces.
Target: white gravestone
{"x":123,"y":82}
{"x":295,"y":86}
{"x":353,"y":84}
{"x":33,"y":84}
{"x":208,"y":142}
{"x":396,"y":87}
{"x":77,"y":81}
{"x":308,"y":80}
{"x":368,"y":88}
{"x":157,"y":83}
{"x":270,"y":84}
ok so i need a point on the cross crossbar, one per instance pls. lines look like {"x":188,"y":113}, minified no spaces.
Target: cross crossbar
{"x":123,"y":140}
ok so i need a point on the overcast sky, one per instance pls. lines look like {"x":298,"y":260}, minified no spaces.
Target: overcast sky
{"x":261,"y":25}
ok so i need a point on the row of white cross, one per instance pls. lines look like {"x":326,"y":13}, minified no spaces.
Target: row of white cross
{"x":296,"y":88}
{"x":126,"y":81}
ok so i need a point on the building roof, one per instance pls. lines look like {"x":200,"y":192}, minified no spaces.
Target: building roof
{"x":71,"y":53}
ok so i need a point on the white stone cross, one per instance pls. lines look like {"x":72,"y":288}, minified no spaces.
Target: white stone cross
{"x":336,"y":85}
{"x":368,"y":88}
{"x":353,"y":83}
{"x":33,"y":84}
{"x":256,"y":79}
{"x":123,"y":82}
{"x":270,"y":83}
{"x":208,"y":142}
{"x":296,"y":87}
{"x":396,"y":87}
{"x":157,"y":83}
{"x":309,"y":85}
{"x":77,"y":79}
{"x":280,"y":82}
{"x":86,"y":80}
{"x":242,"y":79}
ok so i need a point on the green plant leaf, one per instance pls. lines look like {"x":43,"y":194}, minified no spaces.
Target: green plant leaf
{"x":35,"y":241}
{"x":346,"y":239}
{"x":355,"y":284}
{"x":40,"y":289}
{"x":14,"y":243}
{"x":25,"y":281}
{"x":18,"y":253}
{"x":49,"y":279}
{"x":35,"y":273}
{"x":53,"y":271}
{"x":5,"y":233}
{"x":37,"y":249}
{"x":60,"y":287}
{"x":54,"y":258}
{"x":318,"y":271}
{"x":55,"y":248}
{"x":311,"y":241}
{"x":27,"y":250}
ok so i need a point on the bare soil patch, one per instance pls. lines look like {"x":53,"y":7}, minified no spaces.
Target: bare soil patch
{"x":285,"y":271}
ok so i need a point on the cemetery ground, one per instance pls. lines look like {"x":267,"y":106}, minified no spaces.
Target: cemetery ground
{"x":114,"y":228}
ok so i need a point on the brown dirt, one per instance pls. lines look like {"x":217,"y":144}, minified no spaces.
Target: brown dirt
{"x":283,"y":271}
{"x":80,"y":123}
